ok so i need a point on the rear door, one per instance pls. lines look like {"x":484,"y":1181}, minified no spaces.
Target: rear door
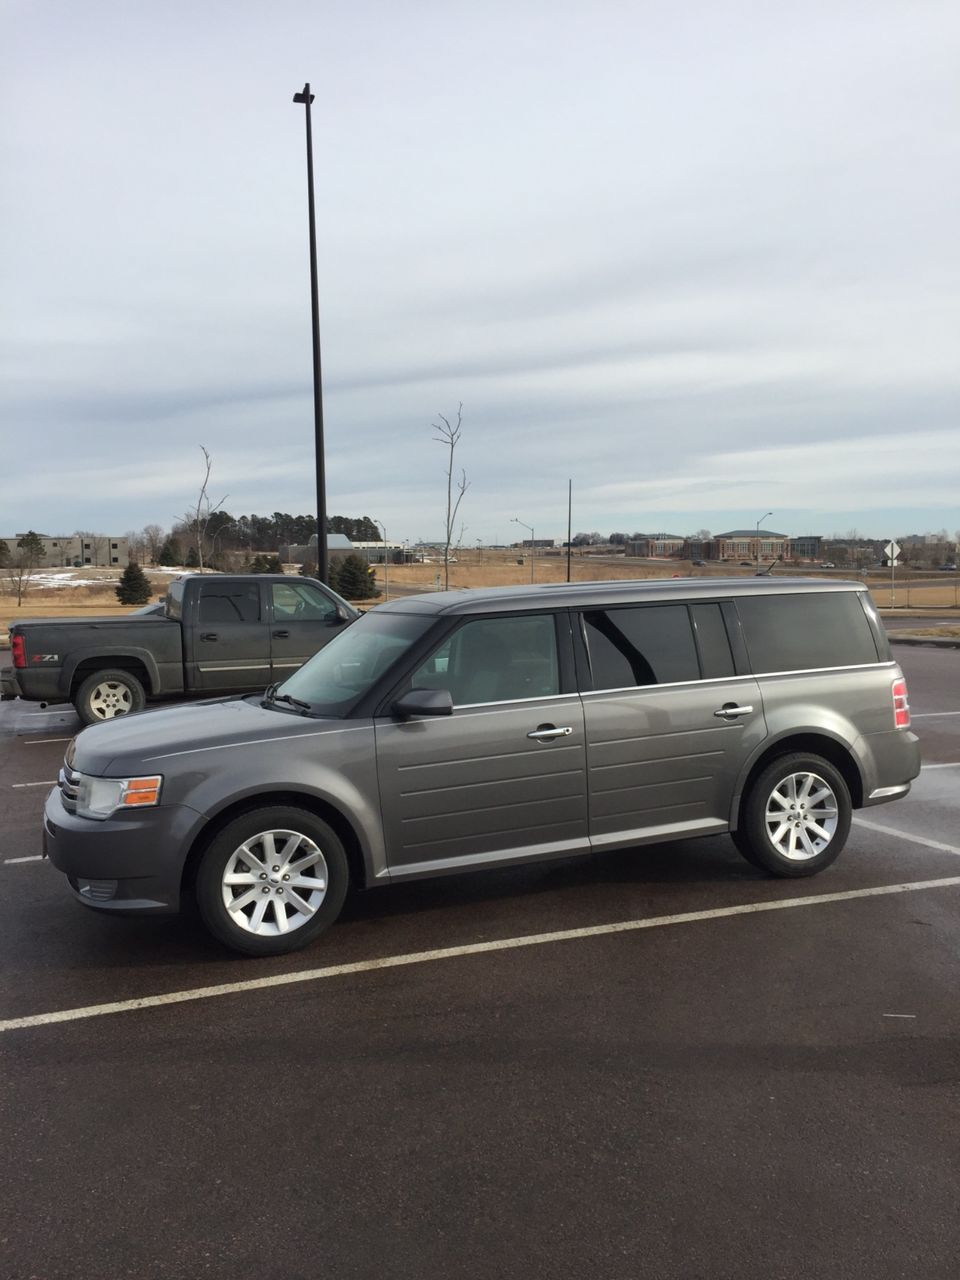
{"x":303,"y":620}
{"x":231,"y":637}
{"x":668,"y":719}
{"x":503,"y":777}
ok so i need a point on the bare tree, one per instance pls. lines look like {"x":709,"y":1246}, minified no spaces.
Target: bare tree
{"x":153,"y":539}
{"x":21,"y":562}
{"x":198,"y":517}
{"x":449,"y":436}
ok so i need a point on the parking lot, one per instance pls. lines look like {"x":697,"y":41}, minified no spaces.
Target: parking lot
{"x":657,"y":1063}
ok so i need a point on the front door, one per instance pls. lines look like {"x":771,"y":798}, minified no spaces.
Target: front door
{"x":231,"y":638}
{"x":669,"y":722}
{"x":504,"y":777}
{"x":304,"y":619}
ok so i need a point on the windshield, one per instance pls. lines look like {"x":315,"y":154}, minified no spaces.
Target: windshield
{"x":335,"y":679}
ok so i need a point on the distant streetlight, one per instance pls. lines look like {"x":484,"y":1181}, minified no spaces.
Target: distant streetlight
{"x":480,"y":551}
{"x":533,"y":541}
{"x":759,"y":523}
{"x":306,"y":97}
{"x":386,"y":581}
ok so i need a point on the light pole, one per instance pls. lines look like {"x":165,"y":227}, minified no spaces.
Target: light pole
{"x":306,"y":97}
{"x":386,"y":580}
{"x":533,"y":541}
{"x":480,"y":551}
{"x":759,"y":523}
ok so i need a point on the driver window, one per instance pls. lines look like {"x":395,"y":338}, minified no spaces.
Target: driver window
{"x":299,"y":602}
{"x":502,"y":659}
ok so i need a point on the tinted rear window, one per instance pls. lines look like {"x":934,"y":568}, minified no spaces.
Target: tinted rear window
{"x":652,"y":644}
{"x":806,"y":631}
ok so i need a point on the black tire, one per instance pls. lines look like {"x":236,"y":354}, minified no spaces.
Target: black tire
{"x":802,"y":840}
{"x":266,"y":879}
{"x":107,"y":694}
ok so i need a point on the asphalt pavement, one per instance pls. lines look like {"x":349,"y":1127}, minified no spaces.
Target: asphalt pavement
{"x":754,"y":1078}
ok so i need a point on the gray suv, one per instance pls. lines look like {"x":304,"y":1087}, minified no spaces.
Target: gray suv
{"x":469,"y":729}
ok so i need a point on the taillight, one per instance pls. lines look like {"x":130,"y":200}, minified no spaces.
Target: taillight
{"x":901,"y":707}
{"x":19,"y":651}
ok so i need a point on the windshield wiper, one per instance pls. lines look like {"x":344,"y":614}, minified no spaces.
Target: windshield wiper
{"x":271,"y":696}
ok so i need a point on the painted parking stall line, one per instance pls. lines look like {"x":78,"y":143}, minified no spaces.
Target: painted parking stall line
{"x":469,"y":949}
{"x":19,"y":786}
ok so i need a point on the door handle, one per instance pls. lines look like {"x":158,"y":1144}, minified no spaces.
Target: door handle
{"x":731,"y":709}
{"x":281,"y":635}
{"x":547,"y":731}
{"x":209,"y":635}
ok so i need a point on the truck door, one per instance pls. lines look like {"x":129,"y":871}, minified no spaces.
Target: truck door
{"x":231,"y":637}
{"x":304,"y":619}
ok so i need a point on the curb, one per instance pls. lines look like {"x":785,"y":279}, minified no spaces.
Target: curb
{"x":938,"y":642}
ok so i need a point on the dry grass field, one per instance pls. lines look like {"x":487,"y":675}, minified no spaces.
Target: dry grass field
{"x":80,"y":593}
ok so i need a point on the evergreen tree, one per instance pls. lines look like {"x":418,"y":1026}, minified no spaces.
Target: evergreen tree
{"x":307,"y":570}
{"x":170,"y":553}
{"x":274,"y":564}
{"x":259,"y":564}
{"x":4,"y":553}
{"x":134,"y":587}
{"x":193,"y":560}
{"x":355,"y":580}
{"x":333,"y":574}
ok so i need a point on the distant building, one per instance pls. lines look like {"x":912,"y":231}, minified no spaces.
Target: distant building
{"x":745,"y":544}
{"x":96,"y":549}
{"x":655,"y":544}
{"x":338,"y":547}
{"x":535,"y":542}
{"x":806,"y":547}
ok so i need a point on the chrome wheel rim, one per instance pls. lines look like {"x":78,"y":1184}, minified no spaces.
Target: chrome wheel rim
{"x":274,"y":883}
{"x":801,"y":817}
{"x":110,"y":698}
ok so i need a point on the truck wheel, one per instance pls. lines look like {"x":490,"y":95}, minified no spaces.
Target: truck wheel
{"x":796,"y":817}
{"x":272,"y":881}
{"x":108,"y":694}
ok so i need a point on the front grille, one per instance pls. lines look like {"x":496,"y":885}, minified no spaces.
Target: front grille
{"x":69,"y":781}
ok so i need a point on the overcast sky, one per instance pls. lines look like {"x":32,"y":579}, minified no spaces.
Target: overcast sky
{"x":701,"y":258}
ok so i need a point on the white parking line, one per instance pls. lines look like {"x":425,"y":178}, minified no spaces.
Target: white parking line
{"x":906,"y":835}
{"x":952,"y":764}
{"x":34,"y":857}
{"x":42,"y":742}
{"x":18,"y":786}
{"x":925,"y":715}
{"x":471,"y":949}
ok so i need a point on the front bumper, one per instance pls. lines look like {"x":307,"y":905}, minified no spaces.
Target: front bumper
{"x":131,"y":863}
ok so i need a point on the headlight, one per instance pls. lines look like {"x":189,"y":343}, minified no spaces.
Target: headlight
{"x":101,"y":797}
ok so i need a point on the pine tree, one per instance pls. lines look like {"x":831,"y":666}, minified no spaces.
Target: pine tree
{"x":170,"y":553}
{"x":355,"y":580}
{"x":193,"y":560}
{"x":134,"y":587}
{"x":333,"y":575}
{"x":307,"y":570}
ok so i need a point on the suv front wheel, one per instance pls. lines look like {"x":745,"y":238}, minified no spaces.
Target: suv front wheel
{"x":272,"y":881}
{"x":796,"y":817}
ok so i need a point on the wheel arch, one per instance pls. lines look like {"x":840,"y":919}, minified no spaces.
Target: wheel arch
{"x":831,"y":749}
{"x":133,"y":665}
{"x":320,"y":808}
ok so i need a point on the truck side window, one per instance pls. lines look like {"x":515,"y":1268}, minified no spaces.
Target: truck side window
{"x":299,"y":602}
{"x":221,"y":602}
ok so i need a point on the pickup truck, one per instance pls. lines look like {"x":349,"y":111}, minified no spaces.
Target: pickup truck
{"x":218,"y":634}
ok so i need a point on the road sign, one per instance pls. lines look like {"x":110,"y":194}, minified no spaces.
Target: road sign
{"x":891,"y":550}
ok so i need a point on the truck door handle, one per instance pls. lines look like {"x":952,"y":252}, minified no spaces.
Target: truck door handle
{"x":209,"y":635}
{"x":547,"y":731}
{"x":731,"y":709}
{"x":281,"y":635}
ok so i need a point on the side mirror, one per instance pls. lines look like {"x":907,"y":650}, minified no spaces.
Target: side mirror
{"x":423,"y":702}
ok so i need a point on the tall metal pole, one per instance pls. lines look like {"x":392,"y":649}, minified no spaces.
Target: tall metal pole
{"x":386,"y":575}
{"x":569,"y":524}
{"x":306,"y":97}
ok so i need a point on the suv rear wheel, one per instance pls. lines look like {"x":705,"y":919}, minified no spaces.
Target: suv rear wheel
{"x":796,"y":816}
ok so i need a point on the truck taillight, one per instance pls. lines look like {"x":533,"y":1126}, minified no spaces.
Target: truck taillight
{"x":901,"y":707}
{"x":19,"y":651}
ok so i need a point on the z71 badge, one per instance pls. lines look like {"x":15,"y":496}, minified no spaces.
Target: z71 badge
{"x":46,"y":657}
